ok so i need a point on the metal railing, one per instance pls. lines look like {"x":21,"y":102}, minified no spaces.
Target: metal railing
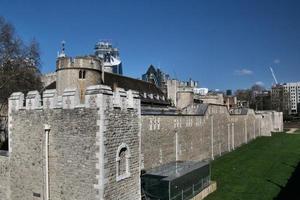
{"x":192,"y":191}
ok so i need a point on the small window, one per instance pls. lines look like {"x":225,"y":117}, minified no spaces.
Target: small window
{"x":122,"y":162}
{"x":82,"y":74}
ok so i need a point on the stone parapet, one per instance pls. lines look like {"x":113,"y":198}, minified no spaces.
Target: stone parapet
{"x":33,"y":100}
{"x":49,"y":99}
{"x":70,"y":99}
{"x":83,"y":140}
{"x":15,"y":101}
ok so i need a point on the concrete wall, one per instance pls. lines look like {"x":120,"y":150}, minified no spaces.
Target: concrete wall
{"x":167,"y":138}
{"x":83,"y":146}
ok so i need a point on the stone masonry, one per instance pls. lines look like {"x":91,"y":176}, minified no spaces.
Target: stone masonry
{"x":167,"y":138}
{"x":96,"y":150}
{"x":82,"y":146}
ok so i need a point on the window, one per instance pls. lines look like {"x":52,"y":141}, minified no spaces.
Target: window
{"x":122,"y":162}
{"x":81,"y":74}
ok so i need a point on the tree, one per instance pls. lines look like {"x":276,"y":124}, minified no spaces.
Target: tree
{"x":19,"y":64}
{"x":256,"y":89}
{"x":249,"y":95}
{"x":244,"y":95}
{"x":19,"y":68}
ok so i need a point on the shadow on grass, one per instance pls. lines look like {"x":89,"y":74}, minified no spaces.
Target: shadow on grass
{"x":291,"y":190}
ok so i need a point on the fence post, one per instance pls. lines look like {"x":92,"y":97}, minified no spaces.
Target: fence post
{"x":181,"y":194}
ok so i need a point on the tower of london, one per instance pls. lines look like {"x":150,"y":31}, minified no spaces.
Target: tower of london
{"x":91,"y":132}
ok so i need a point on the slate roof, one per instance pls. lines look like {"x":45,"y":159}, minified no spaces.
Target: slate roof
{"x":130,"y":84}
{"x":50,"y":86}
{"x":239,"y":111}
{"x":176,"y":169}
{"x":197,"y":109}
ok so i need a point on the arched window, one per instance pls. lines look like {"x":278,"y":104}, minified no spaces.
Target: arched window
{"x":81,"y":74}
{"x":122,"y":162}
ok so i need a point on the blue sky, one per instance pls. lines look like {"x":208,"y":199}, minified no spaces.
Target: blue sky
{"x":223,"y":44}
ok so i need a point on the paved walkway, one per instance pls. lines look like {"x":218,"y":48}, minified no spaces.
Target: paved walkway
{"x":292,"y":130}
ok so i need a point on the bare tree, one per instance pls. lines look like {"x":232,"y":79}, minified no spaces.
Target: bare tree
{"x":19,"y":70}
{"x":249,"y":95}
{"x":19,"y":64}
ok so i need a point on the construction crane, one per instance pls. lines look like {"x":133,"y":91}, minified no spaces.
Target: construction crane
{"x":273,"y":74}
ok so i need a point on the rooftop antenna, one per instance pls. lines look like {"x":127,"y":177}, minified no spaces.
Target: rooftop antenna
{"x":273,"y":74}
{"x":63,"y":46}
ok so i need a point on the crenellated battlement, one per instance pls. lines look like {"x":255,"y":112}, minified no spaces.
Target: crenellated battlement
{"x":79,"y":62}
{"x":83,"y":137}
{"x":70,"y":99}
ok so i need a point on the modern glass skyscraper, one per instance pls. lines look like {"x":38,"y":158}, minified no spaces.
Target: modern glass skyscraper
{"x":110,"y":57}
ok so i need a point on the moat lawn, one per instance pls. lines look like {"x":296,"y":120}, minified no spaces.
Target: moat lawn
{"x":259,"y":170}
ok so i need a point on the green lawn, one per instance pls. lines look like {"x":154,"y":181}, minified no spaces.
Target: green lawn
{"x":256,"y":170}
{"x":297,"y":131}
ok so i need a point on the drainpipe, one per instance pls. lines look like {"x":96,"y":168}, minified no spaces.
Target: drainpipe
{"x":47,"y":130}
{"x":229,"y":133}
{"x":254,"y":129}
{"x":232,"y":129}
{"x":176,"y":146}
{"x":246,"y":132}
{"x":212,"y":136}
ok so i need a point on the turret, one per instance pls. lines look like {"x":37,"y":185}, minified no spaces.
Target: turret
{"x":78,"y":73}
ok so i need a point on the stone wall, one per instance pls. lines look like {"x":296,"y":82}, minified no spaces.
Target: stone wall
{"x":4,"y":178}
{"x":85,"y":142}
{"x":272,"y":120}
{"x":48,"y":78}
{"x":67,"y":73}
{"x":184,"y":98}
{"x":83,"y":146}
{"x":123,"y":127}
{"x":204,"y":136}
{"x":26,"y":161}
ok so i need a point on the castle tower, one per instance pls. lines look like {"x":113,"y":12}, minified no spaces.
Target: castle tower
{"x":78,"y":72}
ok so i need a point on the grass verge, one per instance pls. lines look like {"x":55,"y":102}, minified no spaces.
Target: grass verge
{"x":258,"y":170}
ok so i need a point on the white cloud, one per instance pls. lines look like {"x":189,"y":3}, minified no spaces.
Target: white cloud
{"x":259,"y":83}
{"x":276,"y":61}
{"x":243,"y":72}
